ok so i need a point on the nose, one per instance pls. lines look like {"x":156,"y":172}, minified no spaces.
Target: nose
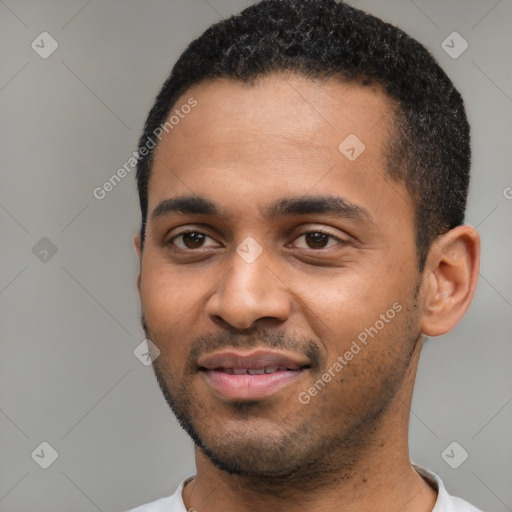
{"x":249,"y":293}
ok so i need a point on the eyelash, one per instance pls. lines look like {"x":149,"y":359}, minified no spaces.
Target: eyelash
{"x":329,"y":235}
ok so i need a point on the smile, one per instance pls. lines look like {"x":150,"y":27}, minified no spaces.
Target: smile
{"x":251,"y":376}
{"x":256,"y":371}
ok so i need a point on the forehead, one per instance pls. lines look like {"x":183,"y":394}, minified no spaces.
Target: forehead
{"x":280,"y":133}
{"x":284,"y":110}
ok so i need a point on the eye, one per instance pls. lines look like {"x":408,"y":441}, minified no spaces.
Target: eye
{"x":191,"y":240}
{"x":318,"y":240}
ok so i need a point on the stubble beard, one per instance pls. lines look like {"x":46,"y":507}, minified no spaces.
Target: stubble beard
{"x":297,"y":453}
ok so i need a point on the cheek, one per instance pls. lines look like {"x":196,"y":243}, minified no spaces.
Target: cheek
{"x":343,"y":301}
{"x":167,"y":303}
{"x":166,"y":297}
{"x":352,"y":312}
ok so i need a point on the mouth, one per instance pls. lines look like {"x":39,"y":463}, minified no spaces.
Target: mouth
{"x":251,"y":376}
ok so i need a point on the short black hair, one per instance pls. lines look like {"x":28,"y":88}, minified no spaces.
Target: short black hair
{"x":318,"y":39}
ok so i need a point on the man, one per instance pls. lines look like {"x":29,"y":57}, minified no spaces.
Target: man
{"x":303,"y":180}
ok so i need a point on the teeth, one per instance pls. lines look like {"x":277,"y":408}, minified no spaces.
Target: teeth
{"x":256,"y":371}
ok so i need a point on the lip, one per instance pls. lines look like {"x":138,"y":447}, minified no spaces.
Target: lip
{"x":218,"y":368}
{"x":251,"y":360}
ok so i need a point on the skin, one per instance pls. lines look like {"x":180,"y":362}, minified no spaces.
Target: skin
{"x":243,"y":148}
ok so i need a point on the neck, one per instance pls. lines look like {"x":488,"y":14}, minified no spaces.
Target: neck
{"x":379,"y":477}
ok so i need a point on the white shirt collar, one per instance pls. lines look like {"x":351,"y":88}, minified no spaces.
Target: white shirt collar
{"x":444,"y":502}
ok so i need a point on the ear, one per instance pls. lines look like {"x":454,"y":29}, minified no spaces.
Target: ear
{"x":451,"y":274}
{"x":137,"y":242}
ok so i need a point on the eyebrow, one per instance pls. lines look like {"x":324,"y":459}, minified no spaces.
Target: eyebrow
{"x":186,"y":205}
{"x":333,"y":206}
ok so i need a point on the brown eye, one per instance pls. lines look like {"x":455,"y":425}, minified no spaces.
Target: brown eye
{"x":189,"y":240}
{"x":317,"y":240}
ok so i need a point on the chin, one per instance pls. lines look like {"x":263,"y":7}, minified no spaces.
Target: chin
{"x":250,"y":455}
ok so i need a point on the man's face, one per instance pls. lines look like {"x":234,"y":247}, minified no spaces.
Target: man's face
{"x":268,"y":294}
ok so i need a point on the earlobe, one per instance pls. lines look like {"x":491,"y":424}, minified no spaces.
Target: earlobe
{"x":448,"y":289}
{"x":137,"y":242}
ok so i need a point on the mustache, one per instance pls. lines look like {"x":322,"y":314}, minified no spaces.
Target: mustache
{"x":252,"y":337}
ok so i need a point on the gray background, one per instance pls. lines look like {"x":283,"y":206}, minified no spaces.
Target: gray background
{"x":70,"y":321}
